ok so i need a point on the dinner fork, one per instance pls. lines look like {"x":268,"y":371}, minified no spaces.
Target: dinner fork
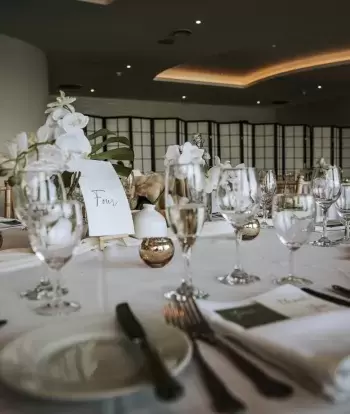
{"x":222,"y":400}
{"x":200,"y":328}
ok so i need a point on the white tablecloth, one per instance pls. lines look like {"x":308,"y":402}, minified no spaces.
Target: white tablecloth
{"x":99,"y":281}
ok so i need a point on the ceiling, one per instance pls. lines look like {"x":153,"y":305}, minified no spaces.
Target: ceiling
{"x":88,"y":44}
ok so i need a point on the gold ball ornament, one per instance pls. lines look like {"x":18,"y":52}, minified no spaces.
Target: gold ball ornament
{"x":157,"y":251}
{"x":251,"y":230}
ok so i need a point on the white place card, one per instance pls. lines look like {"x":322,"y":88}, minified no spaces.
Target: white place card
{"x":105,"y":200}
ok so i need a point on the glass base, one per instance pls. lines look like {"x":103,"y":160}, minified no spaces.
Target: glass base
{"x":265,"y":225}
{"x":42,"y":291}
{"x":238,"y":277}
{"x":184,"y":291}
{"x":325,"y":242}
{"x":292,"y":280}
{"x":58,"y":308}
{"x":345,"y":241}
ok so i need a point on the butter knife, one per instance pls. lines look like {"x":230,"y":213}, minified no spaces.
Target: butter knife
{"x":341,"y":291}
{"x":166,"y":387}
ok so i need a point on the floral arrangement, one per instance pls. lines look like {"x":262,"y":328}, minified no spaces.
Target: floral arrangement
{"x":59,"y":141}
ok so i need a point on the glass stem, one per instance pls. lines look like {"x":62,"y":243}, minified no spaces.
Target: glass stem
{"x":325,"y":211}
{"x":347,"y":229}
{"x":238,"y":264}
{"x":264,"y":213}
{"x":186,"y":254}
{"x":57,"y":291}
{"x":291,"y":263}
{"x":44,"y":278}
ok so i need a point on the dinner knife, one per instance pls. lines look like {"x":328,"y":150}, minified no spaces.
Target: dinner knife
{"x":328,"y":298}
{"x":341,"y":291}
{"x":166,"y":387}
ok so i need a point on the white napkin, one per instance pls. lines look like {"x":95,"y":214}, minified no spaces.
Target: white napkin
{"x":313,"y":350}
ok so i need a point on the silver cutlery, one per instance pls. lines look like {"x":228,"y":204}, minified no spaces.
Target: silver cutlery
{"x":341,"y":291}
{"x":222,"y":400}
{"x":166,"y":387}
{"x":328,"y":298}
{"x":264,"y":383}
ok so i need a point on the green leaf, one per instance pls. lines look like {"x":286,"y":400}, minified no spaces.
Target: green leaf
{"x":112,"y":140}
{"x":67,"y":178}
{"x":125,"y":154}
{"x":104,"y":132}
{"x":121,"y":170}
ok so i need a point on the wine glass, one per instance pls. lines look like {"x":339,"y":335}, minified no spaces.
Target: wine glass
{"x":268,"y":187}
{"x":238,"y":198}
{"x":326,"y":188}
{"x":294,"y":220}
{"x":186,"y":200}
{"x":343,"y":207}
{"x":37,"y":186}
{"x":55,"y":230}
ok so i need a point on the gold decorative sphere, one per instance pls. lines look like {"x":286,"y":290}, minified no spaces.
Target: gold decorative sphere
{"x":251,"y":230}
{"x":157,"y":251}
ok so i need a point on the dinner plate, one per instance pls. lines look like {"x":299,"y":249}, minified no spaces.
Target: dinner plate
{"x":87,"y":358}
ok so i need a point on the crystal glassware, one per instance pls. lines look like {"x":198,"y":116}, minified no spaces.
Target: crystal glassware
{"x":326,"y":188}
{"x":186,"y":200}
{"x":343,"y":208}
{"x":33,"y":187}
{"x":268,"y":185}
{"x":238,"y":198}
{"x":294,"y":220}
{"x":55,"y":230}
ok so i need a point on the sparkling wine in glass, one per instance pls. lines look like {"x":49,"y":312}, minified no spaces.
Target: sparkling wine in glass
{"x":326,"y":188}
{"x":294,"y":220}
{"x":238,"y":198}
{"x":268,"y":185}
{"x":343,"y":208}
{"x":55,"y":230}
{"x":36,"y":186}
{"x":186,"y":210}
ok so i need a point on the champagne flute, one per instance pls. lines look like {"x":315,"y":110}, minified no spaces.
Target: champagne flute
{"x":186,"y":210}
{"x":294,"y":220}
{"x":343,"y":207}
{"x":55,"y":230}
{"x":268,"y":187}
{"x":238,"y":198}
{"x":326,"y":188}
{"x":32,"y":186}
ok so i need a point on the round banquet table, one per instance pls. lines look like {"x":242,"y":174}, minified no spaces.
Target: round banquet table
{"x":100,"y":280}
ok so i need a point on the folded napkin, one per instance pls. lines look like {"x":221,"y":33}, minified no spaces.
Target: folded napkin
{"x":313,"y":350}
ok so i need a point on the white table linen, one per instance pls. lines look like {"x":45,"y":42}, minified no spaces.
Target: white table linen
{"x":100,"y":280}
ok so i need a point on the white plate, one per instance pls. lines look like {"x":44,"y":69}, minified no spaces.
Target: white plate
{"x":87,"y":358}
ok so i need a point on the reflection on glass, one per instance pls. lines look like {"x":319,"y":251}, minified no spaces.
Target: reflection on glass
{"x":268,"y":187}
{"x":294,"y":219}
{"x":343,"y":207}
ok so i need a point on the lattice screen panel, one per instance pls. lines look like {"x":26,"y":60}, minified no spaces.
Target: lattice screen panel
{"x":230,"y":143}
{"x":264,"y":146}
{"x":141,"y":133}
{"x":182,"y":132}
{"x":214,"y":140}
{"x":248,"y":144}
{"x":198,"y":127}
{"x":294,"y":147}
{"x":322,"y":143}
{"x":280,"y":150}
{"x":94,"y":125}
{"x":165,"y":134}
{"x":346,"y":152}
{"x":120,"y":126}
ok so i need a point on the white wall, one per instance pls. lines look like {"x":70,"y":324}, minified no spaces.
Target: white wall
{"x":185,"y":111}
{"x":23,"y":88}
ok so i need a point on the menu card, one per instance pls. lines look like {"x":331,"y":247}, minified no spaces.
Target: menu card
{"x":105,"y":200}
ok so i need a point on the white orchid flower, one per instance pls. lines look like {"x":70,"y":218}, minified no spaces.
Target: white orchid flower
{"x":22,"y":142}
{"x":191,"y":154}
{"x":72,"y":121}
{"x":45,"y":134}
{"x":62,"y":101}
{"x":49,"y":158}
{"x":74,"y":143}
{"x":59,"y":114}
{"x":172,"y":155}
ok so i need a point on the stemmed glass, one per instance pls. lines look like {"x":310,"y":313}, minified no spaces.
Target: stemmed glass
{"x":343,"y":207}
{"x":294,"y":220}
{"x":238,"y":197}
{"x":55,"y":230}
{"x":326,"y":188}
{"x":268,"y":187}
{"x":186,"y":200}
{"x":32,"y":187}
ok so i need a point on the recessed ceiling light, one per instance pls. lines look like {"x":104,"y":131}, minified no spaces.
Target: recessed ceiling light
{"x":319,"y":86}
{"x":119,"y":73}
{"x":198,"y":21}
{"x":92,"y":90}
{"x":102,"y":2}
{"x":128,"y":66}
{"x":258,"y":102}
{"x":304,"y":93}
{"x":274,"y":46}
{"x":184,"y":97}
